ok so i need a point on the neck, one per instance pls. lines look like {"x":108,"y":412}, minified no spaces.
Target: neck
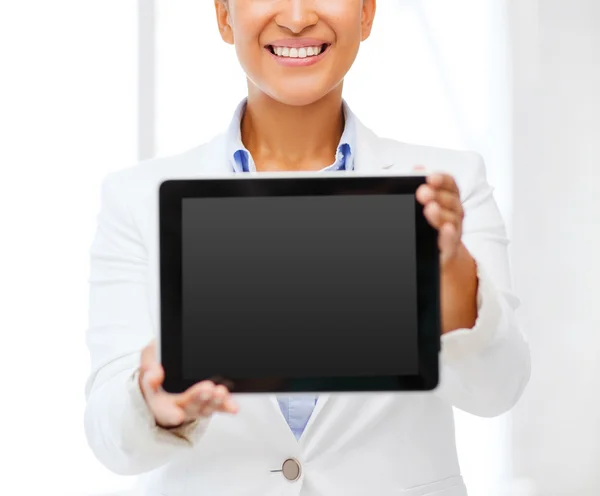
{"x":287,"y":138}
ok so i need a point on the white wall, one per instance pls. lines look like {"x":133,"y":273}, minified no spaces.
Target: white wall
{"x":67,"y":118}
{"x":556,"y":232}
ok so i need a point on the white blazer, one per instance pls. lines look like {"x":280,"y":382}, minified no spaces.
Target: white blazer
{"x":354,"y":444}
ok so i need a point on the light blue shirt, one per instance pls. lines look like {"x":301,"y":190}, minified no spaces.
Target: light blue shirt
{"x":295,"y":409}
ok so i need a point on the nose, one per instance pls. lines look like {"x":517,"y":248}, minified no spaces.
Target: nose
{"x":297,"y":15}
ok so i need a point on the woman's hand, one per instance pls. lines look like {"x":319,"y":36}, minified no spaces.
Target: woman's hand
{"x":173,"y":410}
{"x":443,"y":210}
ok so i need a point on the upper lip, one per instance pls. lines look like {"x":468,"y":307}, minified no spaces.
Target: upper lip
{"x":298,"y":43}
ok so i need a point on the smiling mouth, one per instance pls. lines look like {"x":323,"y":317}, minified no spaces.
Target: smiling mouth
{"x":298,"y":53}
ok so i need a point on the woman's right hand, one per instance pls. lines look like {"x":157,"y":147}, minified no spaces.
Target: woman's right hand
{"x":173,"y":410}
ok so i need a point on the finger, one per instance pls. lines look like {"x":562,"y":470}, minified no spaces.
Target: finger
{"x":214,"y":403}
{"x":438,"y":216}
{"x":223,"y":400}
{"x":219,"y":394}
{"x":425,"y":194}
{"x":147,"y":363}
{"x":443,"y":181}
{"x":209,"y":398}
{"x":449,"y":201}
{"x":148,"y":357}
{"x":207,"y":410}
{"x":448,"y":240}
{"x":230,"y":405}
{"x":196,"y":399}
{"x":154,"y":377}
{"x":208,"y":404}
{"x":198,"y":393}
{"x":166,"y":412}
{"x":220,"y":401}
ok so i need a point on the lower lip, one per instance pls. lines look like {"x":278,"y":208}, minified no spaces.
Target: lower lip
{"x":297,"y":61}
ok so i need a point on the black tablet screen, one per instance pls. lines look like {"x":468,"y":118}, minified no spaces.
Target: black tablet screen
{"x":309,"y":286}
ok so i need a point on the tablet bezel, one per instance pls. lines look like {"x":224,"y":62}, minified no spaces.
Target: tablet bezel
{"x":171,"y":195}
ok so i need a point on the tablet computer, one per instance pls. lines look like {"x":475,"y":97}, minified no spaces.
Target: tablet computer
{"x":298,"y":283}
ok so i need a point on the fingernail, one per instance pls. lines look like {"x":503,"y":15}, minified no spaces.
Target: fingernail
{"x":217,"y":401}
{"x":204,"y":395}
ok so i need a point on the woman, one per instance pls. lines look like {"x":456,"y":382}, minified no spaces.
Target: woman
{"x":296,"y":54}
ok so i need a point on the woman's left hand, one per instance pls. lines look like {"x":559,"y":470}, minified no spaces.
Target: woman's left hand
{"x":443,"y":210}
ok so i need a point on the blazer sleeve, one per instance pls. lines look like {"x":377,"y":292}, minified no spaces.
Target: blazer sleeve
{"x":119,"y":427}
{"x":484,"y":370}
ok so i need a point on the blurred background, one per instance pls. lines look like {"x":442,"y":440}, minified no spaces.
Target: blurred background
{"x":88,"y":87}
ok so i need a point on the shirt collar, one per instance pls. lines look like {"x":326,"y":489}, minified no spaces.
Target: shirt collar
{"x":241,"y":160}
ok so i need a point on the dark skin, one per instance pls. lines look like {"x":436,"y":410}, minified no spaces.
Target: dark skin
{"x":306,"y":105}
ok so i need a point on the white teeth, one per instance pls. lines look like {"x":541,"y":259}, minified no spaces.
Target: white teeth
{"x":297,"y":52}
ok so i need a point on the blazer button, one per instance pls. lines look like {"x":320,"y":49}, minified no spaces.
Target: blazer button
{"x":291,"y":469}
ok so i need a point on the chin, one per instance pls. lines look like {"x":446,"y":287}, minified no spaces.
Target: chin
{"x":300,"y":96}
{"x":297,"y":100}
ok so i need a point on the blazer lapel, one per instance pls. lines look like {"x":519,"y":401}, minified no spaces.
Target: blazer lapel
{"x":370,"y":158}
{"x":211,"y":159}
{"x":377,"y":156}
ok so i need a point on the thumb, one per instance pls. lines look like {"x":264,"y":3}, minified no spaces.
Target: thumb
{"x":447,"y":241}
{"x":154,"y":377}
{"x":148,"y":357}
